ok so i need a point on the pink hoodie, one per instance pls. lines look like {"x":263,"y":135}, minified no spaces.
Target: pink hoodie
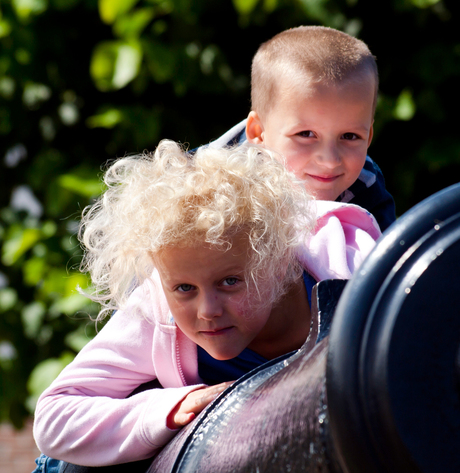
{"x":85,"y":417}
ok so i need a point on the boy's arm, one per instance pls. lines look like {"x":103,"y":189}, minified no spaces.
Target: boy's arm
{"x":85,"y":416}
{"x":370,"y":193}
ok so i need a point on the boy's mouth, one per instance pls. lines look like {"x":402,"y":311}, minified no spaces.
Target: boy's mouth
{"x":324,"y":178}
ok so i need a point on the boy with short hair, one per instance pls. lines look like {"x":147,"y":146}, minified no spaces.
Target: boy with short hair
{"x":314,"y":92}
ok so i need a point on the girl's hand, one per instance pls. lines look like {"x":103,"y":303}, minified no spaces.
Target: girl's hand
{"x":193,"y":404}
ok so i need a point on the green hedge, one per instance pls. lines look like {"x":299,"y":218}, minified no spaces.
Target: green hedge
{"x":84,"y":81}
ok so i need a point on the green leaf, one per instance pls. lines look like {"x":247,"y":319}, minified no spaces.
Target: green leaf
{"x":110,"y":10}
{"x":81,"y":186}
{"x":34,"y":94}
{"x":60,"y":284}
{"x":244,"y":7}
{"x":34,"y":270}
{"x":44,"y":374}
{"x":107,"y":119}
{"x":80,"y":337}
{"x":424,"y":3}
{"x":115,"y":64}
{"x":8,"y":298}
{"x":32,"y":316}
{"x":26,"y":8}
{"x":405,"y":106}
{"x":131,"y":26}
{"x":5,"y":28}
{"x":17,"y":242}
{"x":69,"y":305}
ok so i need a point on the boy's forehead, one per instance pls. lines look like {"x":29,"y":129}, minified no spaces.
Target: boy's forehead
{"x":291,"y":89}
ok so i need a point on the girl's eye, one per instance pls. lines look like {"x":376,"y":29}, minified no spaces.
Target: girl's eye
{"x":185,"y":288}
{"x":306,"y":134}
{"x":350,"y":136}
{"x":229,"y":281}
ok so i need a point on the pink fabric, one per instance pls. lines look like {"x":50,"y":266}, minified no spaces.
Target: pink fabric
{"x":344,"y":235}
{"x":85,"y":417}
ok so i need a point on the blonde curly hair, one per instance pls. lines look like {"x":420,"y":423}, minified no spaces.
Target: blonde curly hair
{"x":172,"y":198}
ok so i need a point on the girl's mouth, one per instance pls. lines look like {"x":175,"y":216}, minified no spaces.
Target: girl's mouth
{"x":216,"y":332}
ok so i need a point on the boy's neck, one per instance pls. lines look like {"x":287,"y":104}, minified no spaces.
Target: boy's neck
{"x":288,"y":326}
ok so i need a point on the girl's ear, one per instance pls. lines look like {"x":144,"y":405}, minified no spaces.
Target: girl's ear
{"x":254,"y":129}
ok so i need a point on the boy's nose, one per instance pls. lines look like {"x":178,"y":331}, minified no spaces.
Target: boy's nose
{"x":209,"y":306}
{"x":328,"y":156}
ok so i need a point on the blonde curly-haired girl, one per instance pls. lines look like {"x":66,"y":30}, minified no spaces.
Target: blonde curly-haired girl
{"x":207,"y":261}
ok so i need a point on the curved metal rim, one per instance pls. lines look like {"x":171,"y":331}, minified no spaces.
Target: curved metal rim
{"x":348,"y":426}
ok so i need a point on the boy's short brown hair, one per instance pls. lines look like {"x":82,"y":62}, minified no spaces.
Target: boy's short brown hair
{"x":311,"y":54}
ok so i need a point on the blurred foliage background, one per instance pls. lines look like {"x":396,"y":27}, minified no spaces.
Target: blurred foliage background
{"x":84,"y":81}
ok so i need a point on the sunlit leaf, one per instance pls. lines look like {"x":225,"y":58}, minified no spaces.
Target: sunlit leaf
{"x":17,"y":242}
{"x":424,"y":3}
{"x":115,"y":63}
{"x":44,"y":374}
{"x":405,"y":106}
{"x":107,"y":119}
{"x":68,"y":113}
{"x":69,"y":305}
{"x":244,"y":7}
{"x":207,"y":59}
{"x":5,"y":28}
{"x":32,"y":316}
{"x":8,"y":354}
{"x":85,"y":187}
{"x":132,"y":25}
{"x":7,"y":351}
{"x":109,"y":10}
{"x":127,"y":64}
{"x":35,"y":93}
{"x":60,"y":283}
{"x":319,"y":10}
{"x":80,"y":337}
{"x":270,"y":5}
{"x":48,"y":228}
{"x":34,"y":270}
{"x":26,"y":8}
{"x":8,"y":298}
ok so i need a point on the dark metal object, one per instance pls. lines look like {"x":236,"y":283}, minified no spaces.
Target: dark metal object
{"x":393,"y":393}
{"x":381,"y":394}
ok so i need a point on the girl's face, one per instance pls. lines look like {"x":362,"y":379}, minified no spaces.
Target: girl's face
{"x":209,"y":299}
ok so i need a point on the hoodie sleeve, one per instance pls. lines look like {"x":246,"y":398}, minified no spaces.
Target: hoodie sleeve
{"x":86,"y":417}
{"x":344,"y":235}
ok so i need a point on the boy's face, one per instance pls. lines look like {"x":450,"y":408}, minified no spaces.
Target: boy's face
{"x":208,"y":297}
{"x":323,"y":133}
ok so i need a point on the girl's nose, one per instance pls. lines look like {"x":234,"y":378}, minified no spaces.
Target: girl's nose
{"x":209,"y":306}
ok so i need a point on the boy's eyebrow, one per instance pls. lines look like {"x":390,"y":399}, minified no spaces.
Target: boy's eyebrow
{"x":297,"y":127}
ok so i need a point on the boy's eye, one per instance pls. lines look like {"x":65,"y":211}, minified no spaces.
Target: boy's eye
{"x":185,"y":288}
{"x":229,"y":281}
{"x":350,"y":136}
{"x":306,"y":134}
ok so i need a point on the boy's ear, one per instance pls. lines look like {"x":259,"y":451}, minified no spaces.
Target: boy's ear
{"x":371,"y":134}
{"x":254,"y":129}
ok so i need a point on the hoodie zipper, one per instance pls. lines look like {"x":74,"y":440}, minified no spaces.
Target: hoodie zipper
{"x":179,"y":367}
